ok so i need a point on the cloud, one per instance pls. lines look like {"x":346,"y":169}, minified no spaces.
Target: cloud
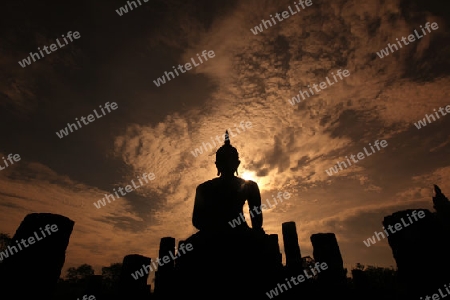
{"x":291,"y":147}
{"x":251,"y":78}
{"x":29,"y":187}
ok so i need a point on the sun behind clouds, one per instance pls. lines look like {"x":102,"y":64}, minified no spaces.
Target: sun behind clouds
{"x":248,"y":175}
{"x":263,"y":183}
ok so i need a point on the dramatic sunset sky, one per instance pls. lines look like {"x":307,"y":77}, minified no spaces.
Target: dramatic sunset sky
{"x":251,"y":78}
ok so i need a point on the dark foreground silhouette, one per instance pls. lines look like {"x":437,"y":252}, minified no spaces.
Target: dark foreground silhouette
{"x":238,"y":261}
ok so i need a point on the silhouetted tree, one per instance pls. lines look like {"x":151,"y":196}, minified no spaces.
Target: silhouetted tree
{"x":5,"y":240}
{"x":308,"y":263}
{"x":111,"y":274}
{"x":75,"y":275}
{"x":379,"y":278}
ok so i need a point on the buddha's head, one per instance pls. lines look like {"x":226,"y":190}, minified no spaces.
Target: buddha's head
{"x":227,"y":158}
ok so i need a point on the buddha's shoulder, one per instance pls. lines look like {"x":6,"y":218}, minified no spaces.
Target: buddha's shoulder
{"x":209,"y":183}
{"x":218,"y":181}
{"x":249,"y":183}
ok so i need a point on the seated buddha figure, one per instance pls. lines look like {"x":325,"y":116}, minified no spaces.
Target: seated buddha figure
{"x":221,"y":200}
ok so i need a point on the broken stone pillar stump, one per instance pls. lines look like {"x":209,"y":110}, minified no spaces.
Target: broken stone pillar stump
{"x":35,"y":261}
{"x":164,"y":277}
{"x":326,"y":249}
{"x":420,"y":251}
{"x":291,"y":246}
{"x":129,"y":287}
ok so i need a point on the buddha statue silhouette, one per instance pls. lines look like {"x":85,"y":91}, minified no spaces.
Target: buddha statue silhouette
{"x":225,"y":243}
{"x":219,"y":202}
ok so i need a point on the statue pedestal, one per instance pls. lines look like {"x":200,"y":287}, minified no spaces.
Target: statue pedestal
{"x":235,"y":263}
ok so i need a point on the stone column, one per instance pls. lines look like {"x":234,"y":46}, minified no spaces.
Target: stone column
{"x":164,"y":277}
{"x":419,"y":249}
{"x":291,"y":246}
{"x":326,"y":249}
{"x":130,"y":287}
{"x":35,"y":261}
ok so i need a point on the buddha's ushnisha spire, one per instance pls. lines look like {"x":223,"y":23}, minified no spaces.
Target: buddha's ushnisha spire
{"x":226,"y":153}
{"x":227,"y":138}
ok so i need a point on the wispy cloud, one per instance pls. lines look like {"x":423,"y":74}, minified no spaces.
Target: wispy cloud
{"x":249,"y":78}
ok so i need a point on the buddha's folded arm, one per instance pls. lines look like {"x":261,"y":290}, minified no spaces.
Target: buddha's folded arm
{"x":254,"y":200}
